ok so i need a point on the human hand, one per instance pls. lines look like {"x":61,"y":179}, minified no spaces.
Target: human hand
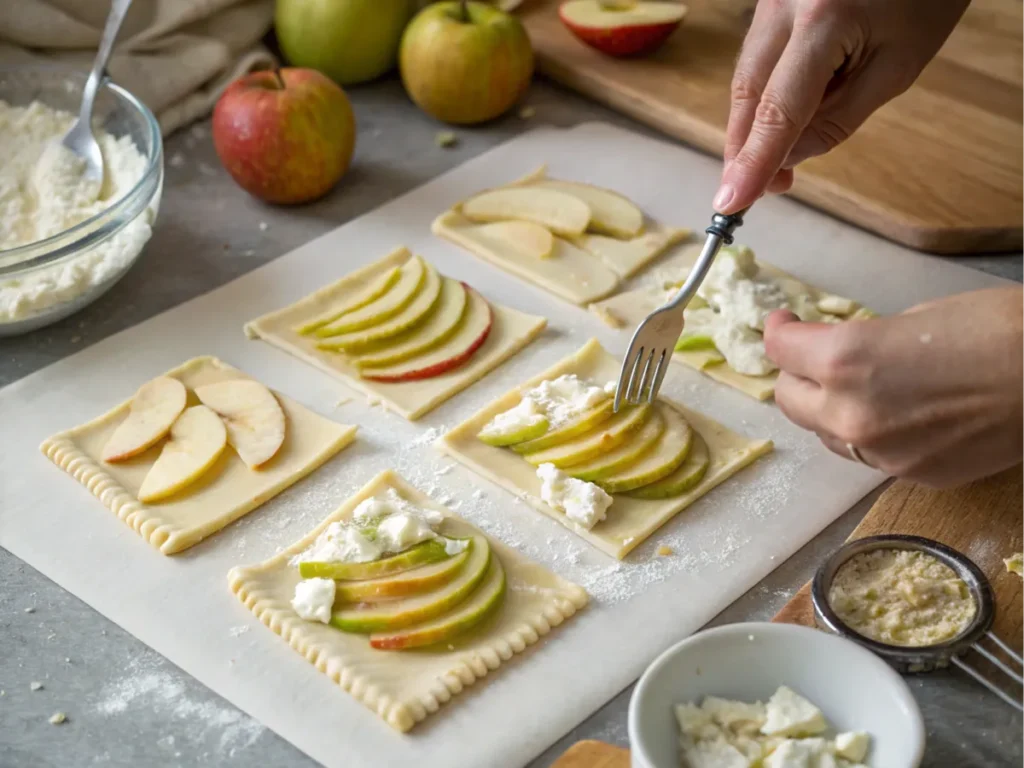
{"x":933,"y":394}
{"x":810,"y":73}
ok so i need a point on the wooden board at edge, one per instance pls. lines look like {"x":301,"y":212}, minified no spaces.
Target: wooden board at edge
{"x":593,"y":754}
{"x":982,"y":520}
{"x":938,"y":169}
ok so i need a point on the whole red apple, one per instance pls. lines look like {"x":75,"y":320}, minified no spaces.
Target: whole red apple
{"x":285,"y":136}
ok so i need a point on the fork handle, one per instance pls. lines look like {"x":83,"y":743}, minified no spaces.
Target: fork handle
{"x":720,"y":231}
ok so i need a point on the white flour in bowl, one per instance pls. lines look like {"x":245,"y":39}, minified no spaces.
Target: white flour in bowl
{"x":43,"y":193}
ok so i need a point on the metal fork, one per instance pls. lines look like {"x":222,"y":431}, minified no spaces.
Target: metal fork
{"x":646,"y":361}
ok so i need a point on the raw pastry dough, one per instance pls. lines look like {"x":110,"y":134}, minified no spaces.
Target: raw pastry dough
{"x":511,"y":332}
{"x":630,"y":520}
{"x":404,"y":687}
{"x":223,"y":494}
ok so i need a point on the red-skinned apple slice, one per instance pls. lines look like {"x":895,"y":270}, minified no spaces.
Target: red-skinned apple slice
{"x":468,"y":338}
{"x":622,"y":28}
{"x":390,"y":303}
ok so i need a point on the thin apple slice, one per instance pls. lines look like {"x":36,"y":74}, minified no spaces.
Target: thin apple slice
{"x":426,"y":578}
{"x":396,"y":614}
{"x":198,"y":437}
{"x":524,"y":237}
{"x":607,"y":436}
{"x":585,"y":422}
{"x":562,"y":213}
{"x":438,"y":326}
{"x":390,"y":303}
{"x":252,"y":415}
{"x":622,"y":31}
{"x":412,"y":313}
{"x":662,"y":459}
{"x":153,"y":410}
{"x":373,"y":290}
{"x":689,"y":473}
{"x":627,"y":257}
{"x":520,"y":426}
{"x":468,"y":338}
{"x":424,"y":553}
{"x":610,"y":462}
{"x":610,"y":213}
{"x":482,"y":604}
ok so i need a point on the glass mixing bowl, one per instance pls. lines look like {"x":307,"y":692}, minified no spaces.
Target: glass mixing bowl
{"x":45,"y":281}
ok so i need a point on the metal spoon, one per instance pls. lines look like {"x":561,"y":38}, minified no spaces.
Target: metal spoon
{"x":79,"y":138}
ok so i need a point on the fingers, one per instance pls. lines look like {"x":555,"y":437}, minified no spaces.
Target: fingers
{"x":800,"y":400}
{"x":801,"y":349}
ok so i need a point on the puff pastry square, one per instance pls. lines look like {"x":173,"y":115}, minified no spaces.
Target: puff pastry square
{"x":510,"y":332}
{"x":630,"y":521}
{"x":403,"y":687}
{"x":223,"y":494}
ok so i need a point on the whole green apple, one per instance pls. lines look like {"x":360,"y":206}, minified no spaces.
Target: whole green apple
{"x":350,"y":41}
{"x":465,"y":62}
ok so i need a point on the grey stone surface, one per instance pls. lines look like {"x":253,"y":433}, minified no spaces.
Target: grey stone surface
{"x":125,"y":704}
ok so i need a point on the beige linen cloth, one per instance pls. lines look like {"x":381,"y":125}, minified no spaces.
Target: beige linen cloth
{"x":175,"y":55}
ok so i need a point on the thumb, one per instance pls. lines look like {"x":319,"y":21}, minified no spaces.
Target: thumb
{"x":778,"y":318}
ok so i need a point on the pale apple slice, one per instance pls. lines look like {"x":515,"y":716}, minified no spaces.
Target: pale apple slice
{"x":153,"y":410}
{"x":482,"y":604}
{"x":501,"y":438}
{"x":562,"y":213}
{"x":524,"y":237}
{"x":424,"y":553}
{"x":585,"y":422}
{"x":662,"y":459}
{"x":373,"y":290}
{"x":608,"y":463}
{"x":198,"y":437}
{"x":396,"y":614}
{"x":610,"y":213}
{"x":439,"y":325}
{"x":426,"y":578}
{"x":412,"y":313}
{"x":390,"y":303}
{"x":607,"y":436}
{"x":622,"y":29}
{"x":471,"y":334}
{"x":252,"y":415}
{"x":689,"y":473}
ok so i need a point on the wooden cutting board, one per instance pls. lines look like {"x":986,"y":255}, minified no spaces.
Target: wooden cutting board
{"x":938,"y":169}
{"x":593,"y":754}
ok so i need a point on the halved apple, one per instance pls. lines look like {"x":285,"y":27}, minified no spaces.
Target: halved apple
{"x":424,"y":553}
{"x":468,"y":338}
{"x":689,"y":473}
{"x":252,"y":415}
{"x":422,"y":305}
{"x":411,"y":582}
{"x":373,"y":290}
{"x":153,"y":410}
{"x":620,"y":28}
{"x":630,"y":451}
{"x":439,"y":325}
{"x":607,"y":436}
{"x":396,"y":614}
{"x":585,"y":422}
{"x":664,"y":457}
{"x":198,"y":437}
{"x":527,"y":238}
{"x":610,"y":213}
{"x":562,"y":213}
{"x":480,"y":605}
{"x":390,"y":303}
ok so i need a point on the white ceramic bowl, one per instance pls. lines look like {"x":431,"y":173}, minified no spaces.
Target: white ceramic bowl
{"x":854,"y":688}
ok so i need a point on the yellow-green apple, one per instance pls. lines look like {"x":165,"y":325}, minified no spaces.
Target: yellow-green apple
{"x":416,"y":581}
{"x":350,"y":41}
{"x":667,"y":455}
{"x":629,"y":452}
{"x":585,"y":422}
{"x":465,"y":62}
{"x":424,"y":553}
{"x":611,"y":434}
{"x":373,"y":290}
{"x":410,"y":279}
{"x":689,"y":473}
{"x":285,"y":136}
{"x":622,"y":27}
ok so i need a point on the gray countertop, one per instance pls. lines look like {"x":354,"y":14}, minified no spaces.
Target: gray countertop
{"x":125,"y":704}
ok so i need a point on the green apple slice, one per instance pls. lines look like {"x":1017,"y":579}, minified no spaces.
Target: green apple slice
{"x":607,"y":436}
{"x":585,"y":422}
{"x":610,"y":213}
{"x":439,"y":325}
{"x":695,"y":340}
{"x":396,"y":614}
{"x":664,"y":458}
{"x":690,"y":473}
{"x":391,"y":302}
{"x":480,"y":605}
{"x":423,"y":304}
{"x":630,"y":451}
{"x":412,"y":582}
{"x":424,"y":553}
{"x":373,"y":290}
{"x":500,"y":438}
{"x":563,"y":214}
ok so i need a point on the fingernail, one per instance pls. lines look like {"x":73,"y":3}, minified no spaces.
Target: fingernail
{"x":725,"y":195}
